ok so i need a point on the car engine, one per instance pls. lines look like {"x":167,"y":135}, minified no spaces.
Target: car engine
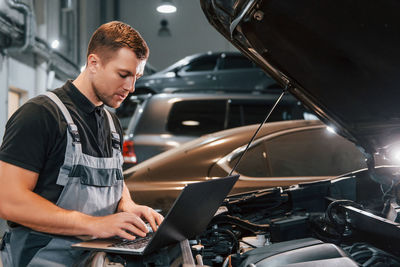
{"x":349,"y":221}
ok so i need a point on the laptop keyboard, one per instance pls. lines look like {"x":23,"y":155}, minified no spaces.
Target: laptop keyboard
{"x":138,"y":243}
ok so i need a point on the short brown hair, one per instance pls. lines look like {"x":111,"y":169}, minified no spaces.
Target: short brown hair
{"x":114,"y":35}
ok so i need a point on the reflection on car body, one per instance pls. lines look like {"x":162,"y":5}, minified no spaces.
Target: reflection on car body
{"x":285,"y":153}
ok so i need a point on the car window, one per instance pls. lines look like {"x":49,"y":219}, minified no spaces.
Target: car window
{"x":315,"y":152}
{"x":236,"y":62}
{"x":202,"y":64}
{"x":253,"y":112}
{"x":196,"y":117}
{"x":125,"y":112}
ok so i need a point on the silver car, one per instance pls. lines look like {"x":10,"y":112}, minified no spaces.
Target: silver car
{"x":212,"y":71}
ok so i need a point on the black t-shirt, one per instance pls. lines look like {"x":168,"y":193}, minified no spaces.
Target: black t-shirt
{"x":36,"y":136}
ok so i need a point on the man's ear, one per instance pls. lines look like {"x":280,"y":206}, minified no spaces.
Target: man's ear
{"x":93,"y":63}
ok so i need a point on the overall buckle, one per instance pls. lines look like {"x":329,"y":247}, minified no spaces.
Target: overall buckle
{"x":73,"y":129}
{"x":6,"y":239}
{"x":116,"y":143}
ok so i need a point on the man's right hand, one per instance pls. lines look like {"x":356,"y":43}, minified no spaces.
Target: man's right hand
{"x":122,"y":224}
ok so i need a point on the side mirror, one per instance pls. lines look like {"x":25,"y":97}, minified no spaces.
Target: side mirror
{"x":176,"y":71}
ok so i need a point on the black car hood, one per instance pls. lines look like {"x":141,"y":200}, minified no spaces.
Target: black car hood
{"x":340,"y":58}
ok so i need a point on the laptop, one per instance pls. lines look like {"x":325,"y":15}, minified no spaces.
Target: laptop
{"x":189,"y":216}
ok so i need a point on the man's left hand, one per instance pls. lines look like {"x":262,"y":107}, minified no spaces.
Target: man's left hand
{"x":151,"y":216}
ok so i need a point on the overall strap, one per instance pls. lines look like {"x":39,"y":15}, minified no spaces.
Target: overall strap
{"x":72,"y":128}
{"x":116,"y":142}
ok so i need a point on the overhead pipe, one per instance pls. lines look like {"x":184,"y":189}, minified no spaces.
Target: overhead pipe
{"x":29,"y":37}
{"x":38,"y":46}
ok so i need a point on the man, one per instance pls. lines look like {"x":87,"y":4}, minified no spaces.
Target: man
{"x":60,"y":160}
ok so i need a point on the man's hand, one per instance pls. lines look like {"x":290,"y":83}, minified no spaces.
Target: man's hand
{"x":144,"y":212}
{"x":122,"y":224}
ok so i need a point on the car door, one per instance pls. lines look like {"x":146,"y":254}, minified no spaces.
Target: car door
{"x":236,"y":72}
{"x":198,"y":73}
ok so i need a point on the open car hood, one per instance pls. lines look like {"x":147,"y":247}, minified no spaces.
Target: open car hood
{"x":340,"y":58}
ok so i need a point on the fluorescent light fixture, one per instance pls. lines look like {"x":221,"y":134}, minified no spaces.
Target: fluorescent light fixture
{"x":55,"y":44}
{"x":166,"y":7}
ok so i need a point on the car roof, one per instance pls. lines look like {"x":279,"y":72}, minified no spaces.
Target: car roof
{"x":204,"y":95}
{"x":189,"y":58}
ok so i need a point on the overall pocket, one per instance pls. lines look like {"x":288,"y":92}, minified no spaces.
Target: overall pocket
{"x":92,"y":191}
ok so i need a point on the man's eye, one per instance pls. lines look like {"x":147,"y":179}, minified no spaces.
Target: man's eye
{"x":123,"y":75}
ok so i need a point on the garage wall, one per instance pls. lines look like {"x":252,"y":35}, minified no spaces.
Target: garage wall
{"x":29,"y":73}
{"x":190,"y":31}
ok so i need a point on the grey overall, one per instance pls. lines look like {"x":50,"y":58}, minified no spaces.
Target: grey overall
{"x":92,"y":186}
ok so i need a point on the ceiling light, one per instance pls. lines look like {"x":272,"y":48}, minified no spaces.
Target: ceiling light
{"x":166,"y":7}
{"x":55,"y":44}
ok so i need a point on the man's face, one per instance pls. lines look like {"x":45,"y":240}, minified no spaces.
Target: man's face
{"x":114,"y":80}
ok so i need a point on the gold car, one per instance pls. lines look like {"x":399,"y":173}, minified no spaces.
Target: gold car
{"x":284,"y":153}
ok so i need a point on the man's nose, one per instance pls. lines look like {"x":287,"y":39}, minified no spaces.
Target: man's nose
{"x":130,"y":84}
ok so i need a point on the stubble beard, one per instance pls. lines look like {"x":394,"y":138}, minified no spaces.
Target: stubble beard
{"x":103,"y":98}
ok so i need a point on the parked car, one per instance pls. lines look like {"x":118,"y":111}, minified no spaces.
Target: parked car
{"x":165,"y":121}
{"x":285,"y":153}
{"x":214,"y":71}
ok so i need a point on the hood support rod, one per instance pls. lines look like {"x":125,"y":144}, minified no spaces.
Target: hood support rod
{"x":258,"y":129}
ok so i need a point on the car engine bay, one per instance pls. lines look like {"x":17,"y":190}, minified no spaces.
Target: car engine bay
{"x":348,"y":221}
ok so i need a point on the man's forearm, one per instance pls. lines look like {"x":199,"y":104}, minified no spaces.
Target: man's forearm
{"x":18,"y":203}
{"x":37,"y":213}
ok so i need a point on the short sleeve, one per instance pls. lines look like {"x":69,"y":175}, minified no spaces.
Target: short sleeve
{"x":28,"y":137}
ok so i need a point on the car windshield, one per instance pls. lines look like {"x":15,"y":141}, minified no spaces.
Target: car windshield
{"x":177,"y":64}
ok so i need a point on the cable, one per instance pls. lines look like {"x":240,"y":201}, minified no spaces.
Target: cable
{"x":246,"y":225}
{"x":235,"y":246}
{"x":247,"y":243}
{"x":334,"y":205}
